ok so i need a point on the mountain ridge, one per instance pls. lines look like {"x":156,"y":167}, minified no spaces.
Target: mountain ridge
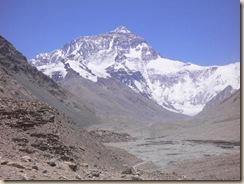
{"x":122,"y":55}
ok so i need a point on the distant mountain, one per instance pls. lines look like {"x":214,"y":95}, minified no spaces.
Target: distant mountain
{"x":219,"y":121}
{"x":219,"y":98}
{"x":223,"y":107}
{"x":120,"y":54}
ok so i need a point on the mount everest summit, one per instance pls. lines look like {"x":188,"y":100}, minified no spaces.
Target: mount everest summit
{"x":122,"y":55}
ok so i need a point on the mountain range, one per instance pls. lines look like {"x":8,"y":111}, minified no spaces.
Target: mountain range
{"x":123,"y":56}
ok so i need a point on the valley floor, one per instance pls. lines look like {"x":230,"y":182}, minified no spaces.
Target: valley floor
{"x":191,"y":152}
{"x":198,"y":165}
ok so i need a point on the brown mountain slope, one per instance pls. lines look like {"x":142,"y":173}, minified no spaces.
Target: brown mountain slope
{"x":227,"y":109}
{"x":36,"y":140}
{"x":40,"y":86}
{"x":217,"y":122}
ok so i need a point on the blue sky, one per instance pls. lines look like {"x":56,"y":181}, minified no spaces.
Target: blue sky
{"x":204,"y":32}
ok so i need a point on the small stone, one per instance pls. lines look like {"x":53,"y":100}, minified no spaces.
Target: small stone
{"x":136,"y":178}
{"x":73,"y":167}
{"x":84,"y":165}
{"x":35,"y":167}
{"x":5,"y":162}
{"x":184,"y":177}
{"x":51,"y":163}
{"x":63,"y":178}
{"x":24,"y":177}
{"x":78,"y":177}
{"x":26,"y":159}
{"x":44,"y":172}
{"x":17,"y":165}
{"x":52,"y":117}
{"x":128,"y":170}
{"x":94,"y":173}
{"x":123,"y":176}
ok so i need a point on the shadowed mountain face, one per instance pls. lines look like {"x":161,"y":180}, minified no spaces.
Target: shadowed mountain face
{"x":224,"y":107}
{"x":219,"y":98}
{"x":117,"y":106}
{"x":29,"y":80}
{"x":122,"y":55}
{"x":220,"y":119}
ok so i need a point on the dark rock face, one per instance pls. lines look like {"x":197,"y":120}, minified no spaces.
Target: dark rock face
{"x":57,"y":76}
{"x":130,"y":78}
{"x":15,"y":62}
{"x":26,"y":117}
{"x":106,"y":136}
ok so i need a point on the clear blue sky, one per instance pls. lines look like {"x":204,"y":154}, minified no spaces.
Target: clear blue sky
{"x":204,"y":32}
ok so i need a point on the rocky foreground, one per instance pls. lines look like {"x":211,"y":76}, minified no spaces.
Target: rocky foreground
{"x":39,"y":143}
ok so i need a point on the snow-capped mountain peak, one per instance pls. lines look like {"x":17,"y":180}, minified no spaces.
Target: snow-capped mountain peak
{"x":121,"y":29}
{"x":124,"y":56}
